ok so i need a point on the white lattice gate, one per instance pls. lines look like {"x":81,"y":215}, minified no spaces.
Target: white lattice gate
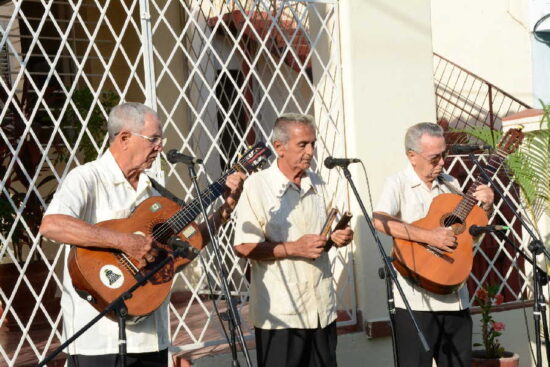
{"x":218,"y":73}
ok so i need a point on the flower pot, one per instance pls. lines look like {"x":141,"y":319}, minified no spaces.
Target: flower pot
{"x":507,"y":360}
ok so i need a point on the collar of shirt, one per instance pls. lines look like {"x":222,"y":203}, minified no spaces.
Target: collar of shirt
{"x":282,"y":182}
{"x":116,"y":176}
{"x":415,"y":181}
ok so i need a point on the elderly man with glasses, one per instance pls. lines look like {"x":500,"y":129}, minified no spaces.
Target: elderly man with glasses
{"x":406,"y":197}
{"x":110,"y":188}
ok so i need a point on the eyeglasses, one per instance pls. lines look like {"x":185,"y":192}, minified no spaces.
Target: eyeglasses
{"x":435,"y":159}
{"x":154,"y":140}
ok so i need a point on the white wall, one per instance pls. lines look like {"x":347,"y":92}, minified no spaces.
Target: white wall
{"x":388,"y":86}
{"x":490,"y":38}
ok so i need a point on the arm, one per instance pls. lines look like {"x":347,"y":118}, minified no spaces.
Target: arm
{"x":309,"y":246}
{"x":440,"y":237}
{"x":66,"y":229}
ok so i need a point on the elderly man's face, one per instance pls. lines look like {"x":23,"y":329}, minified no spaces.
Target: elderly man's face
{"x":142,"y":150}
{"x":428,"y":163}
{"x":297,"y":153}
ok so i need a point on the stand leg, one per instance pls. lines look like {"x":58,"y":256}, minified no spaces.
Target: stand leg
{"x":383,"y":273}
{"x":122,"y":312}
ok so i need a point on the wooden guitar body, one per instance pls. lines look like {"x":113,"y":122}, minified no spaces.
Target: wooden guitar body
{"x":106,"y":274}
{"x":437,"y":271}
{"x":100,"y":276}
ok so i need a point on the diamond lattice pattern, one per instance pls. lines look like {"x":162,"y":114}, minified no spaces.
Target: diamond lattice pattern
{"x":218,"y":72}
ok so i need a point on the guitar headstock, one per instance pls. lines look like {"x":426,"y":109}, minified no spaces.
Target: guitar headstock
{"x":510,"y":142}
{"x":253,"y":159}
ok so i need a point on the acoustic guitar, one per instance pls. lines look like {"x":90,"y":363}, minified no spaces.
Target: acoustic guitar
{"x":443,"y":272}
{"x":102,"y":275}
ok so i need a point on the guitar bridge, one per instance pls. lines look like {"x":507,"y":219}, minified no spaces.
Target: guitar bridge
{"x":441,"y":254}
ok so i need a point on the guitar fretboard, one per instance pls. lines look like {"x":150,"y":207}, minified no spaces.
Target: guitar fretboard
{"x":467,"y":203}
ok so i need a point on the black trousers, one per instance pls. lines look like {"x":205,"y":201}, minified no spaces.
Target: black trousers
{"x":448,"y":333}
{"x":152,"y":359}
{"x":297,"y":347}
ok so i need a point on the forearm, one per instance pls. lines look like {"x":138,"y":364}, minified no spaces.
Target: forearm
{"x":398,"y":229}
{"x":265,"y":250}
{"x":66,"y":229}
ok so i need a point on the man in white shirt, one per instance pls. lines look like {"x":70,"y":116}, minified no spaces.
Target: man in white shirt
{"x":110,"y":188}
{"x":406,"y":197}
{"x":278,"y":224}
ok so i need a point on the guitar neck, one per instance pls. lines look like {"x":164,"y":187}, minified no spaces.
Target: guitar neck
{"x":189,"y":212}
{"x":467,"y":203}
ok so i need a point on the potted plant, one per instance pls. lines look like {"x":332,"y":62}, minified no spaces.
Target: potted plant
{"x":493,"y":353}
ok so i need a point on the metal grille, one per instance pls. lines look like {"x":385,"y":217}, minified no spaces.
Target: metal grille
{"x":496,"y":261}
{"x":218,"y":72}
{"x":465,"y":100}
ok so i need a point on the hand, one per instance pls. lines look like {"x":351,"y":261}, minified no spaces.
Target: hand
{"x":234,"y":183}
{"x":140,"y":248}
{"x":310,"y":246}
{"x":484,"y":194}
{"x":442,"y":238}
{"x":342,"y":237}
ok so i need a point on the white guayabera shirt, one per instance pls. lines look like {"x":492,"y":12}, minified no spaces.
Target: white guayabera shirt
{"x":95,"y":192}
{"x":289,"y":292}
{"x":406,"y":197}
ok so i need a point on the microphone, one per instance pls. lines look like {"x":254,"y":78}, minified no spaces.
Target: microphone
{"x":477,"y":230}
{"x":468,"y":148}
{"x":174,"y":157}
{"x":182,"y":248}
{"x":331,"y":162}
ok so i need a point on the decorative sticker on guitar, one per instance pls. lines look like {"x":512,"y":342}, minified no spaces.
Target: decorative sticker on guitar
{"x":111,"y":276}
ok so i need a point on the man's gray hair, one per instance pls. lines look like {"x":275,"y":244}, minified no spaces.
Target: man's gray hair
{"x":129,"y":115}
{"x":280,"y":129}
{"x":415,"y":132}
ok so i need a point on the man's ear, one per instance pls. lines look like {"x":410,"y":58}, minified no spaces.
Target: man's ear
{"x":280,"y":148}
{"x":412,"y":157}
{"x":123,"y":138}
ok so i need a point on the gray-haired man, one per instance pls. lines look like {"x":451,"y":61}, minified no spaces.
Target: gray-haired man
{"x":110,"y":188}
{"x":279,"y":218}
{"x":406,"y":197}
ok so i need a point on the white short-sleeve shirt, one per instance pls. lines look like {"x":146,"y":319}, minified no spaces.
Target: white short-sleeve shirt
{"x":408,"y":198}
{"x":289,"y":292}
{"x":95,"y":192}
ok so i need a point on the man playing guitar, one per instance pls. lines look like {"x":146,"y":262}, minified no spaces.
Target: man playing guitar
{"x":110,"y":188}
{"x":406,"y":197}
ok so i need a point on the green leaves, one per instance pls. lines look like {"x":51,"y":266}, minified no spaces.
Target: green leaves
{"x":529,"y":165}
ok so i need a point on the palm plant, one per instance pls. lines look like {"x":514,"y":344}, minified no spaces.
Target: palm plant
{"x":529,"y":165}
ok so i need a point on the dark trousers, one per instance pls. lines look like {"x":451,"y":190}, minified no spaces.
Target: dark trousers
{"x":448,"y":333}
{"x":153,"y":359}
{"x":297,"y":347}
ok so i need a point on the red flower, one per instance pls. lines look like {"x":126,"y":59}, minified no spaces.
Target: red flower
{"x":482,"y":294}
{"x":499,"y":298}
{"x":498,"y":326}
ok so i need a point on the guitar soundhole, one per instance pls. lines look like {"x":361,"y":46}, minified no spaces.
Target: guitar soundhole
{"x":453,"y":221}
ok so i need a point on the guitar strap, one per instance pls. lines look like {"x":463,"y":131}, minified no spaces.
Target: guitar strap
{"x":449,"y":186}
{"x":164,"y":192}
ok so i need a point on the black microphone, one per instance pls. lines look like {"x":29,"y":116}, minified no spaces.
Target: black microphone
{"x":182,"y":248}
{"x":468,"y":148}
{"x":477,"y":230}
{"x":174,"y":157}
{"x":331,"y":162}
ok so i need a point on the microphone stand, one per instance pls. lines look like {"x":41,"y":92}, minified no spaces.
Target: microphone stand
{"x":540,"y":279}
{"x":389,"y":270}
{"x":231,"y":315}
{"x":536,"y":247}
{"x":121,"y":311}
